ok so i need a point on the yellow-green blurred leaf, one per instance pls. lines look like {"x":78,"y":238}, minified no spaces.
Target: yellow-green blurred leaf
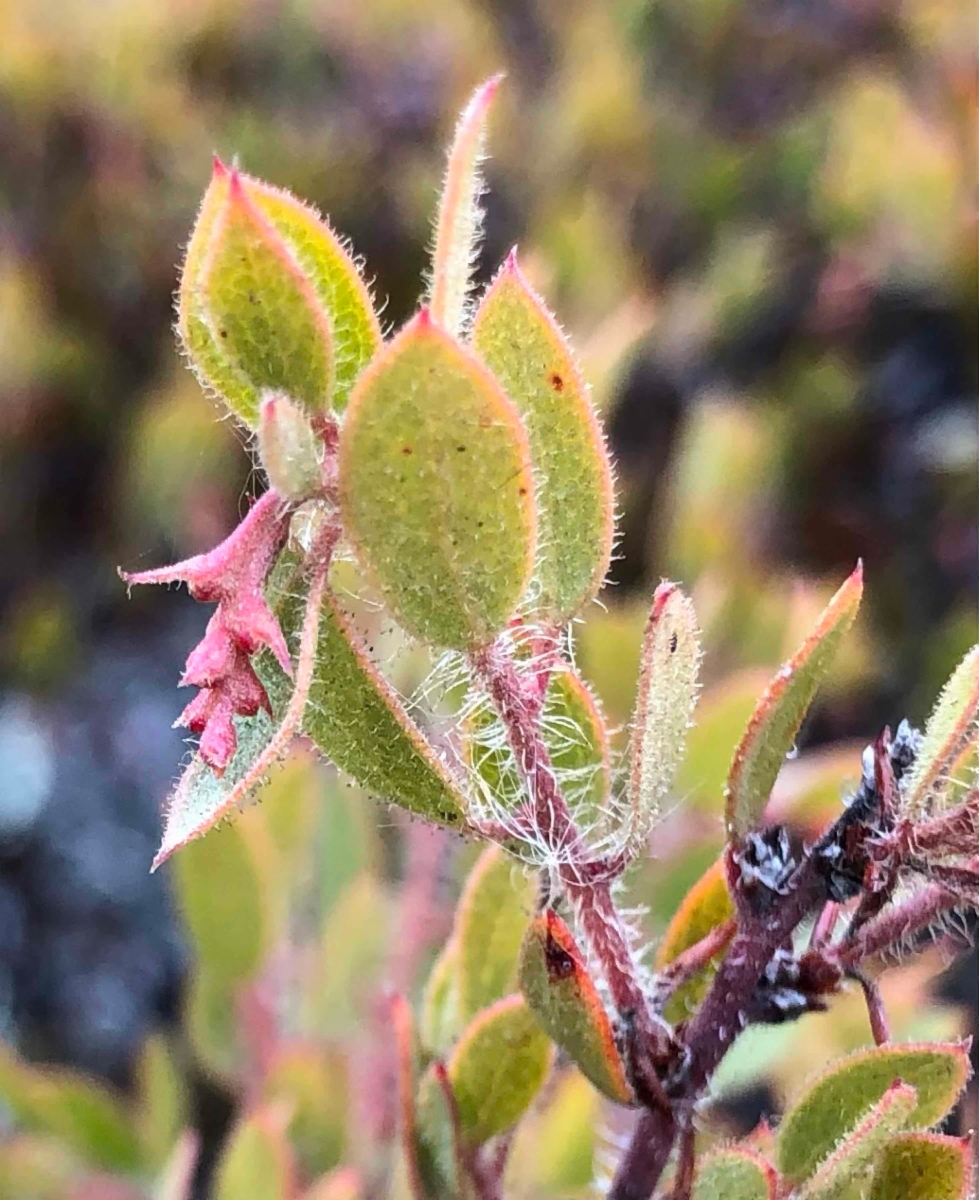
{"x":923,"y":1166}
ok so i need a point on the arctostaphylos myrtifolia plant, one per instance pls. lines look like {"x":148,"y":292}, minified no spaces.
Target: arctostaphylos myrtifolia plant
{"x":460,"y":465}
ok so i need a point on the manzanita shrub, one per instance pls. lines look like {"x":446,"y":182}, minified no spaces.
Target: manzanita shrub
{"x":457,"y":472}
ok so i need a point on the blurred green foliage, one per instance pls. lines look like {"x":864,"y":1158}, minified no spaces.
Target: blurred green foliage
{"x":757,"y":219}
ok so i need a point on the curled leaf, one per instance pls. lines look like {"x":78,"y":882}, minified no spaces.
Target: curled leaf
{"x":923,"y":1166}
{"x":436,"y":488}
{"x":563,"y":998}
{"x":855,"y":1153}
{"x":497,"y":1068}
{"x":953,"y":724}
{"x":520,"y":342}
{"x":841,"y":1097}
{"x":734,"y":1174}
{"x":460,"y":216}
{"x":269,"y":298}
{"x":779,"y":714}
{"x":664,"y":705}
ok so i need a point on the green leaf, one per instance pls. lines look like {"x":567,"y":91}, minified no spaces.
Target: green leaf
{"x":492,"y":915}
{"x":575,"y":735}
{"x":707,"y":905}
{"x":840,"y":1098}
{"x":518,"y":339}
{"x":459,"y":220}
{"x":261,"y":308}
{"x":436,"y":488}
{"x":734,"y":1175}
{"x":82,"y":1113}
{"x":779,"y":714}
{"x":256,"y":1163}
{"x":664,"y":705}
{"x":559,"y":990}
{"x":854,"y":1155}
{"x":440,"y":1001}
{"x":923,"y":1166}
{"x":497,"y":1069}
{"x":212,"y":1029}
{"x":354,"y":715}
{"x":270,"y":298}
{"x":221,"y":894}
{"x":440,"y":1156}
{"x":162,"y":1097}
{"x":309,"y":1079}
{"x":953,"y":724}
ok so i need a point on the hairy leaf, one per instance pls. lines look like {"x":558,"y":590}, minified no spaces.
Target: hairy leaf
{"x":953,"y":723}
{"x":854,"y":1155}
{"x":840,"y":1098}
{"x":560,"y":992}
{"x":256,"y":1163}
{"x":436,"y":488}
{"x":664,"y":705}
{"x":734,"y":1175}
{"x":460,"y":216}
{"x":520,"y":342}
{"x":497,"y":1068}
{"x":923,"y":1166}
{"x":492,"y":915}
{"x":779,"y":714}
{"x":707,"y":905}
{"x":287,"y":308}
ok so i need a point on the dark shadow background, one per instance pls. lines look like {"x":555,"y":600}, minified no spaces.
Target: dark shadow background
{"x":761,"y":209}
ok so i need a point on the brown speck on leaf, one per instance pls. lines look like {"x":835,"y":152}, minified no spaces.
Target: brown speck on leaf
{"x":406,"y":450}
{"x":557,"y":381}
{"x":559,"y":962}
{"x":461,"y":449}
{"x":523,"y":491}
{"x":673,"y":643}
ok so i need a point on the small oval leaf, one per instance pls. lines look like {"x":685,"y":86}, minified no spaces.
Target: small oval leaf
{"x":779,"y":714}
{"x":436,"y":488}
{"x":563,"y":998}
{"x":520,"y":342}
{"x":734,"y":1175}
{"x":841,"y":1097}
{"x":664,"y":705}
{"x":440,"y":1021}
{"x":497,"y":1069}
{"x":923,"y":1166}
{"x":854,"y":1155}
{"x":492,"y":915}
{"x":953,"y":723}
{"x":707,"y":905}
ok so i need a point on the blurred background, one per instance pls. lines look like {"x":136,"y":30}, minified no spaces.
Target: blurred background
{"x":757,"y":220}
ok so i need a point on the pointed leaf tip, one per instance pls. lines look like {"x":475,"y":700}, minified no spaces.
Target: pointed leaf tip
{"x":779,"y":714}
{"x":460,"y":216}
{"x":734,"y":1174}
{"x":519,"y":340}
{"x":952,"y":725}
{"x":562,"y":996}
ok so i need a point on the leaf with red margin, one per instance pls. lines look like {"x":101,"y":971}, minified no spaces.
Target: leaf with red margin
{"x":779,"y":714}
{"x":563,"y":998}
{"x":923,"y":1166}
{"x":734,"y":1174}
